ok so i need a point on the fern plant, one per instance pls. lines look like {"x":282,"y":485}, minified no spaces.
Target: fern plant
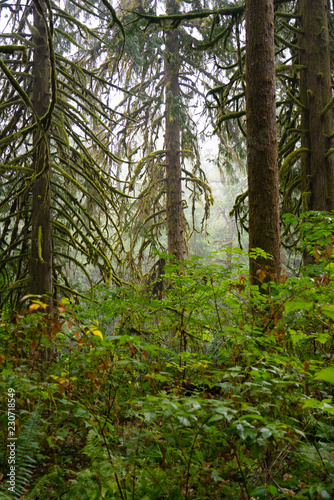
{"x":26,"y":449}
{"x":52,"y":478}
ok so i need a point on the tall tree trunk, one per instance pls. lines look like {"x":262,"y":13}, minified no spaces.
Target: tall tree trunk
{"x":41,"y":241}
{"x":315,"y":94}
{"x":262,"y":154}
{"x":174,"y":209}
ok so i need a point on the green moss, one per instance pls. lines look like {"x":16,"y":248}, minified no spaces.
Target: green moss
{"x":39,"y":243}
{"x":305,"y":200}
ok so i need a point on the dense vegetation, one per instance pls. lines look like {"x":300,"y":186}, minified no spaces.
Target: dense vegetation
{"x":137,"y":363}
{"x":210,"y":390}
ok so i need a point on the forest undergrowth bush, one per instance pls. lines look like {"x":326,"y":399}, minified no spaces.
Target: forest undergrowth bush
{"x":211,"y":390}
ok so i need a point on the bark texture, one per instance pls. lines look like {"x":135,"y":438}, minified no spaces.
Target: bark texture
{"x":262,"y":154}
{"x":174,"y":209}
{"x":317,"y":168}
{"x":41,"y":241}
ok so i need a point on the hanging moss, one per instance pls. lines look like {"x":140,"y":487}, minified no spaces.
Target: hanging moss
{"x":75,"y":172}
{"x":291,"y":159}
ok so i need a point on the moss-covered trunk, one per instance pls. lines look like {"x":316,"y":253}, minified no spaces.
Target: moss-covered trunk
{"x":263,"y":194}
{"x":315,"y":94}
{"x":41,"y":241}
{"x":174,"y":209}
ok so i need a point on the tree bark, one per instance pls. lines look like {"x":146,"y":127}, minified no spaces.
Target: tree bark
{"x":41,"y":238}
{"x":317,"y":169}
{"x":174,"y":209}
{"x":262,"y":154}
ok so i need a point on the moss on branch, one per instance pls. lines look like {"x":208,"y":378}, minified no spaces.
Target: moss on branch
{"x":291,"y":159}
{"x":328,"y":107}
{"x":229,"y":116}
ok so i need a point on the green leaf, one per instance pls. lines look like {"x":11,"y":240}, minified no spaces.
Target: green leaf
{"x":315,"y":403}
{"x":216,"y":477}
{"x":327,"y":374}
{"x":325,"y":494}
{"x":150,"y":416}
{"x":158,"y":376}
{"x":328,"y":311}
{"x":252,"y":416}
{"x":214,"y":418}
{"x":322,"y":337}
{"x":184,"y":420}
{"x":295,"y":305}
{"x":266,"y":433}
{"x":255,"y":450}
{"x":6,"y":372}
{"x":272,"y":489}
{"x":296,"y":336}
{"x":254,"y":253}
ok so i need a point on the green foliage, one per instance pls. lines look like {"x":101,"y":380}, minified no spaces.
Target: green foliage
{"x":209,"y":389}
{"x":27,"y":447}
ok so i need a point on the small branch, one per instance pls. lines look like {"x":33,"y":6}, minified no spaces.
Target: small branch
{"x":329,"y":153}
{"x":176,"y":19}
{"x":287,"y":15}
{"x":288,"y":44}
{"x":10,"y":49}
{"x":292,"y":158}
{"x":291,"y":28}
{"x":295,"y":99}
{"x":271,"y":477}
{"x":242,"y":474}
{"x":328,"y":107}
{"x":229,"y":116}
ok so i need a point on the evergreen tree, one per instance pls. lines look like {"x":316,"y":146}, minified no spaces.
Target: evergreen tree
{"x":165,"y":70}
{"x":263,"y":194}
{"x":317,"y":164}
{"x":302,"y":52}
{"x":41,"y":225}
{"x":174,"y":209}
{"x":51,"y":121}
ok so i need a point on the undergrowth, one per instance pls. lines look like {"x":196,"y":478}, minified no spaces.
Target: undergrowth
{"x":209,"y":390}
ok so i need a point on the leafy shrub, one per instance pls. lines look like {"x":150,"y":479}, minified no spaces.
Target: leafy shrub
{"x":209,"y":390}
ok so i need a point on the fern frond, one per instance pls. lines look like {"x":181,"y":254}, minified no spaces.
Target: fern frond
{"x":27,"y":446}
{"x":52,"y":478}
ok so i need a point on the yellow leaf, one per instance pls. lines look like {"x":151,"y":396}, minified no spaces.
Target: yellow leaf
{"x":98,"y":333}
{"x":40,"y":304}
{"x":63,"y":381}
{"x":33,"y":307}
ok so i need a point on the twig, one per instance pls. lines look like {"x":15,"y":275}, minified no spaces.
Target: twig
{"x":242,"y":474}
{"x":271,"y":477}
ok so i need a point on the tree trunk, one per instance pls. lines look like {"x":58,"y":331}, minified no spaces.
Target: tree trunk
{"x":262,"y":154}
{"x":41,"y":238}
{"x":174,"y":209}
{"x":317,"y":169}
